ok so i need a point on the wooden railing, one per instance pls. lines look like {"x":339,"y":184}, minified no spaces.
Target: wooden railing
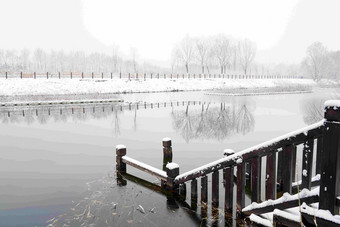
{"x":280,"y":154}
{"x":135,"y":76}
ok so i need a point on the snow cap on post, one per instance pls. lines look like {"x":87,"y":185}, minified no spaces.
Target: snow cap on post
{"x":228,"y":152}
{"x":332,"y":110}
{"x":121,"y":150}
{"x":166,"y":142}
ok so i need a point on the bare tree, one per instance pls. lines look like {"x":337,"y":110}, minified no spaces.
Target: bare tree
{"x":316,"y":60}
{"x":186,"y":52}
{"x":202,"y":47}
{"x":247,"y":52}
{"x":222,"y":51}
{"x":133,"y":52}
{"x":115,"y":57}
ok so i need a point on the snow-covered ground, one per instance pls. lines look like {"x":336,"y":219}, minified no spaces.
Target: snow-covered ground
{"x":13,"y":87}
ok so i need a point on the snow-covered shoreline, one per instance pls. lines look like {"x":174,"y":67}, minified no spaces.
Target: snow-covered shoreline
{"x":17,"y":87}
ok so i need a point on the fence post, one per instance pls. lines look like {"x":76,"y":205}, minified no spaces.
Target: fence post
{"x":144,"y":76}
{"x":6,"y":75}
{"x":136,"y":76}
{"x":71,"y":75}
{"x":102,"y":75}
{"x":167,"y":155}
{"x":111,"y":75}
{"x":120,"y":153}
{"x":35,"y":75}
{"x":129,"y":76}
{"x":20,"y":75}
{"x":330,"y":164}
{"x":172,"y":171}
{"x":46,"y":75}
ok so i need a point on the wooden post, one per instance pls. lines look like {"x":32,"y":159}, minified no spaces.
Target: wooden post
{"x":172,"y":171}
{"x":82,"y":75}
{"x":35,"y":75}
{"x":111,"y":75}
{"x":256,"y":179}
{"x":59,"y":75}
{"x":71,"y":75}
{"x":164,"y":76}
{"x":241,"y":182}
{"x":102,"y":75}
{"x":129,"y":76}
{"x":307,"y":163}
{"x":319,"y":154}
{"x":120,"y":152}
{"x":6,"y":76}
{"x":46,"y":75}
{"x":330,"y":165}
{"x":287,"y":168}
{"x":271,"y":176}
{"x":151,"y":76}
{"x":194,"y":194}
{"x":120,"y":75}
{"x":167,"y":155}
{"x":20,"y":75}
{"x":136,"y":76}
{"x":204,"y":189}
{"x":144,"y":76}
{"x":215,"y":189}
{"x":229,"y":189}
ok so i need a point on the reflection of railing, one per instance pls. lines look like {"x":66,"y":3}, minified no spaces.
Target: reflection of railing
{"x":66,"y":108}
{"x":280,"y":154}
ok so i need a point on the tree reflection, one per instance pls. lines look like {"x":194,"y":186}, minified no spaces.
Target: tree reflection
{"x":312,"y":110}
{"x":213,"y":122}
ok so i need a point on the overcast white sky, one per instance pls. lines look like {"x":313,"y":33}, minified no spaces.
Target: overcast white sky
{"x":282,"y":29}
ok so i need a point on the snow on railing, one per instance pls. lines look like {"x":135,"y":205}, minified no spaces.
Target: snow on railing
{"x":237,"y":157}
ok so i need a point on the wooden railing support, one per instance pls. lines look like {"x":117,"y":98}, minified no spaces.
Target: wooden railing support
{"x":120,"y":152}
{"x":255,"y":179}
{"x":271,"y":176}
{"x":172,"y":170}
{"x":330,"y":166}
{"x":167,"y":156}
{"x":241,"y":182}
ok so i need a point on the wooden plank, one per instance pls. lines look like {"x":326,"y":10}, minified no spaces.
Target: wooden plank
{"x":215,"y":189}
{"x":255,"y":179}
{"x":229,"y":189}
{"x":287,"y":169}
{"x":294,"y":163}
{"x":283,"y":205}
{"x":280,"y":166}
{"x":147,"y":170}
{"x":241,"y":182}
{"x":319,"y":154}
{"x":307,"y":163}
{"x":204,"y":189}
{"x":282,"y":221}
{"x":271,"y":176}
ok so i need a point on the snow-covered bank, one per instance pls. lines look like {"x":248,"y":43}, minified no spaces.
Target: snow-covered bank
{"x":13,"y":87}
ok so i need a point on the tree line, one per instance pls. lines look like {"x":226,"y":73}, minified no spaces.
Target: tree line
{"x":321,"y":63}
{"x":213,"y":52}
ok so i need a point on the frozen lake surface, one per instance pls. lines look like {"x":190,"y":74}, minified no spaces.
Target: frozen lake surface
{"x":57,"y":162}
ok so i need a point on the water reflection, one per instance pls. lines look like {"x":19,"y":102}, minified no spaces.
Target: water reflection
{"x":213,"y":122}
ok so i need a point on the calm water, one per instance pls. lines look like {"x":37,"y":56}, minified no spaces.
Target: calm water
{"x":57,"y":162}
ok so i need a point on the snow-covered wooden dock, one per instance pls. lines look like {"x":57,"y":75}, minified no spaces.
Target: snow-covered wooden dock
{"x":317,"y":199}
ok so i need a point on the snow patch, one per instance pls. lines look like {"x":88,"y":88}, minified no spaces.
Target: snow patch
{"x":120,"y":146}
{"x":172,"y":166}
{"x":332,"y":103}
{"x":227,"y":152}
{"x":145,"y":166}
{"x":166,"y":139}
{"x":324,"y":214}
{"x":259,"y":220}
